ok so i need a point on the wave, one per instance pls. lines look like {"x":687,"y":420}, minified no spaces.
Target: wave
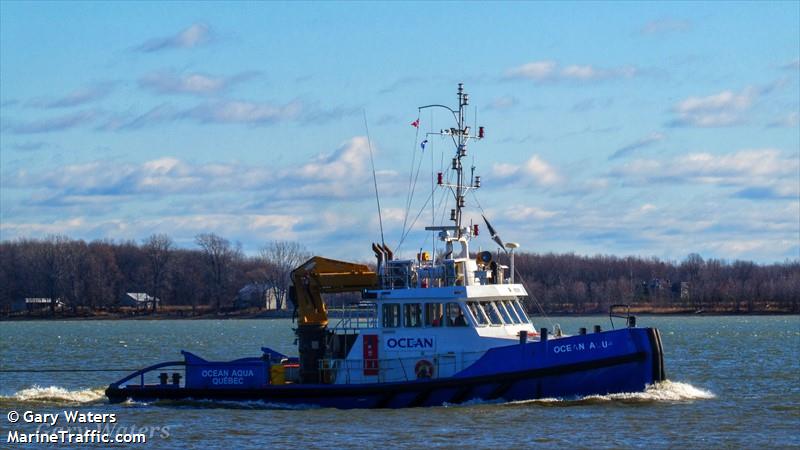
{"x":664,"y":391}
{"x":56,"y":395}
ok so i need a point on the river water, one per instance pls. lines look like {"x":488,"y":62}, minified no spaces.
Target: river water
{"x":732,"y":382}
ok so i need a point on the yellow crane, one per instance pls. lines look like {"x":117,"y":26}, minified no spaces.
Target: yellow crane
{"x":310,"y":280}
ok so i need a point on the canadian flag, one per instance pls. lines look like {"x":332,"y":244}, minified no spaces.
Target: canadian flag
{"x":415,"y":123}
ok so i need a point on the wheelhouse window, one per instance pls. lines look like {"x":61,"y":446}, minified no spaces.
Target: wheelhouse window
{"x":521,"y":311}
{"x":491,"y":312}
{"x":509,"y":307}
{"x":503,"y":313}
{"x":391,"y":315}
{"x":477,"y":313}
{"x":412,"y":313}
{"x":434,"y":315}
{"x":455,"y":316}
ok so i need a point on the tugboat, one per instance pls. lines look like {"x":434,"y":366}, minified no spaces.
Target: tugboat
{"x":425,"y":333}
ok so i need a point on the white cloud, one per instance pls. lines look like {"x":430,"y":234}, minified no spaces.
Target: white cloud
{"x":646,"y":141}
{"x":238,"y":226}
{"x":521,"y":213}
{"x":535,"y":170}
{"x":347,"y":161}
{"x":543,"y":71}
{"x":231,"y":111}
{"x":665,"y":25}
{"x":190,"y":83}
{"x":792,"y":65}
{"x":340,"y":174}
{"x":50,"y":124}
{"x":537,"y":70}
{"x":764,"y":172}
{"x":791,"y":120}
{"x":502,"y":103}
{"x":80,"y":96}
{"x":194,"y":36}
{"x":718,"y":110}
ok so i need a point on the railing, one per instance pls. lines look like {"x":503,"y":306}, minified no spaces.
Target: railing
{"x":630,"y":320}
{"x":140,"y":373}
{"x":365,"y":315}
{"x":343,"y":371}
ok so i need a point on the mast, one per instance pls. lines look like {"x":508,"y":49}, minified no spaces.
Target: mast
{"x":461,"y":151}
{"x":461,"y":136}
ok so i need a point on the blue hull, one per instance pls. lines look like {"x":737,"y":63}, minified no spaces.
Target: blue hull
{"x":625,"y":360}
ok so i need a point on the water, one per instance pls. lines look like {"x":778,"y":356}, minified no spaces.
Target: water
{"x":732,"y":382}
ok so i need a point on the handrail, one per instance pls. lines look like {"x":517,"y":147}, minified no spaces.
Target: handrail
{"x":630,"y":321}
{"x":141,"y":372}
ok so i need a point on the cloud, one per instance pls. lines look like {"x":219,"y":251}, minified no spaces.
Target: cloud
{"x":502,"y":103}
{"x":162,"y":113}
{"x":190,"y":83}
{"x":47,"y":125}
{"x":338,"y":174}
{"x":718,"y":110}
{"x":525,"y":213}
{"x":233,"y":111}
{"x":400,"y":83}
{"x":535,"y":170}
{"x":29,"y":146}
{"x":665,"y":25}
{"x":81,"y":96}
{"x":792,"y":65}
{"x":551,"y":71}
{"x":647,"y":141}
{"x":195,"y":35}
{"x":754,"y":173}
{"x":592,"y":103}
{"x":791,"y":120}
{"x":236,"y":226}
{"x":226,"y":112}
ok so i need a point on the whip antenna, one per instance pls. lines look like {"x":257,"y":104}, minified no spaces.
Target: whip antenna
{"x":374,"y":178}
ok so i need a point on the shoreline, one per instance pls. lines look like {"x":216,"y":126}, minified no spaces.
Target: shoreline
{"x":284,"y":314}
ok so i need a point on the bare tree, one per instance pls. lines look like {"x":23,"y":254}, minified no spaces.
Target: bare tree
{"x":158,"y":249}
{"x":50,"y":268}
{"x":284,"y":257}
{"x":220,"y":257}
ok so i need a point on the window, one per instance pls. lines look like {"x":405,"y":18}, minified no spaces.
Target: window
{"x":434,"y":315}
{"x":455,"y":316}
{"x":491,"y":312}
{"x":477,"y":313}
{"x":503,"y":313}
{"x":521,"y":311}
{"x":391,"y":315}
{"x":413,"y":314}
{"x":507,"y":304}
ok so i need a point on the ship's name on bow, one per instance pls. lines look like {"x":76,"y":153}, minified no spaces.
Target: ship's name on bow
{"x":580,"y":347}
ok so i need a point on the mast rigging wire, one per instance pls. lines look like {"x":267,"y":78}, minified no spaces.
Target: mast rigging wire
{"x":374,"y":178}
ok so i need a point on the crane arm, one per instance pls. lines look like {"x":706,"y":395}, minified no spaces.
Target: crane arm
{"x":319,"y":276}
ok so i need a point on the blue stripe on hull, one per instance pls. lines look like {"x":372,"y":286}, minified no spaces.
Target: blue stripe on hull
{"x":627,"y":362}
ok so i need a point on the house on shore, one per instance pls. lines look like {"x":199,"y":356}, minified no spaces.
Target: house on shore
{"x":31,"y":304}
{"x":255,"y":295}
{"x":139,"y":300}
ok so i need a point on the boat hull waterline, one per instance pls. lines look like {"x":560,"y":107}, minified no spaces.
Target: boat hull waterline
{"x":616,"y":361}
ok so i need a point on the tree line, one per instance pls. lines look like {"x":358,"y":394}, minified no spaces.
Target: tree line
{"x":590,"y":284}
{"x":96,"y":275}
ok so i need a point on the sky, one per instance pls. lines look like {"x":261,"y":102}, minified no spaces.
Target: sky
{"x":617,"y":128}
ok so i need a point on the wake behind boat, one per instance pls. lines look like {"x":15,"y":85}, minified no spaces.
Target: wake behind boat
{"x":427,"y":331}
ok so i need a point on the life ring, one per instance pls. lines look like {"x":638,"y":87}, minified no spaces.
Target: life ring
{"x":424,"y":369}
